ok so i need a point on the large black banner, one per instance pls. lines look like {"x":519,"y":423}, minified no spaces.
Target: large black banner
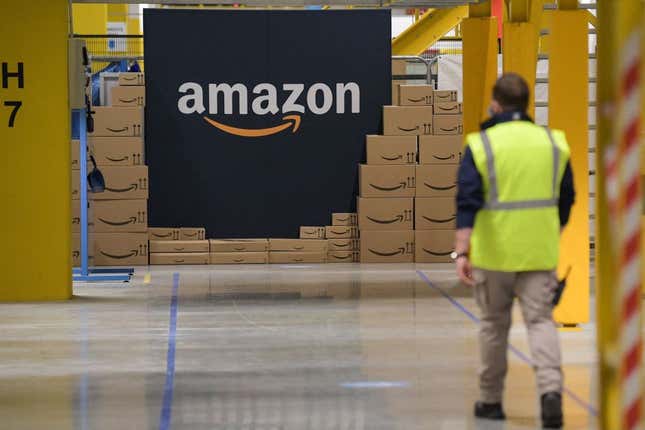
{"x":256,"y":120}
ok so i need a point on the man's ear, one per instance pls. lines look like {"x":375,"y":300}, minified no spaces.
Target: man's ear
{"x":495,"y":107}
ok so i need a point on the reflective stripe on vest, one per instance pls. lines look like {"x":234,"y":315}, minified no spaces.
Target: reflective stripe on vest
{"x":493,"y":202}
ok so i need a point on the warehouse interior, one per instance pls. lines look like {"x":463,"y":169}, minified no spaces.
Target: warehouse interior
{"x":262,"y":204}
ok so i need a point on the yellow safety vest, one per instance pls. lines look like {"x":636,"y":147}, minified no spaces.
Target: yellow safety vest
{"x":521,"y":165}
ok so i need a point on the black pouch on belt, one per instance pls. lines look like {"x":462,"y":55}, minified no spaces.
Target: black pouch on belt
{"x":560,"y":289}
{"x":95,"y":179}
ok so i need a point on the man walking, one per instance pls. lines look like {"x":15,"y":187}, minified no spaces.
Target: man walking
{"x":515,"y":195}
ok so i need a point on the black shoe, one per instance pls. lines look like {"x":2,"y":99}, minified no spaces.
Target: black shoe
{"x":552,"y":410}
{"x":489,"y":411}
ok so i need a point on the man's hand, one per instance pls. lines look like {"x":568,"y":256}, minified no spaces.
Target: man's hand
{"x":465,"y":271}
{"x":462,"y":245}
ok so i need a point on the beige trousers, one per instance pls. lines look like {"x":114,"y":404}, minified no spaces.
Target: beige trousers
{"x":494,"y":293}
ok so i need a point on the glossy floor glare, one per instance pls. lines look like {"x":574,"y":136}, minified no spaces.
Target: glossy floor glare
{"x":338,"y":347}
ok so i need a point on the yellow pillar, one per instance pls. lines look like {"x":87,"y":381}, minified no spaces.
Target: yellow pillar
{"x":568,"y":111}
{"x":616,"y":20}
{"x":480,"y":68}
{"x":89,"y":18}
{"x":35,"y":178}
{"x":521,"y":40}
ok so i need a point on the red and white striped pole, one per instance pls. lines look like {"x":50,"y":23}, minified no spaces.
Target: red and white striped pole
{"x":630,"y":208}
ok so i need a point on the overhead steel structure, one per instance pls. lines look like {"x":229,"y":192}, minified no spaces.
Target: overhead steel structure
{"x":299,"y":3}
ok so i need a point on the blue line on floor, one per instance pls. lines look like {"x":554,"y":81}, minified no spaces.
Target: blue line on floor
{"x":519,"y":354}
{"x":166,"y":409}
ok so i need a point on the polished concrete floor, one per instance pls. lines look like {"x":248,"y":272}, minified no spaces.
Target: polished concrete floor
{"x":342,"y":347}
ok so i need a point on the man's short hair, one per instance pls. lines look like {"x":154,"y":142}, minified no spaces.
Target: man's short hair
{"x":512,"y":92}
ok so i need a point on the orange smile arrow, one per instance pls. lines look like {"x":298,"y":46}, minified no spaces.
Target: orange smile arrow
{"x":259,"y":132}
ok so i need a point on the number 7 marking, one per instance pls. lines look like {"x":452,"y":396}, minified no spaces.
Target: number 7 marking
{"x":16,"y":107}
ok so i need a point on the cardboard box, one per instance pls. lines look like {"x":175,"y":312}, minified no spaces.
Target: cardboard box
{"x":300,"y":245}
{"x":415,"y":95}
{"x":131,"y":78}
{"x":117,"y":121}
{"x":387,"y":181}
{"x":387,"y":246}
{"x":163,"y":233}
{"x":76,"y":185}
{"x":343,"y":257}
{"x":76,"y":249}
{"x":437,"y":180}
{"x":239,"y":257}
{"x":312,"y":232}
{"x":124,"y":183}
{"x":395,"y":92}
{"x":341,"y":232}
{"x":76,"y":216}
{"x":239,"y":245}
{"x":448,"y":108}
{"x":407,"y":120}
{"x":344,"y":219}
{"x":192,"y":233}
{"x":448,"y":124}
{"x":125,"y":216}
{"x":180,"y":258}
{"x":128,"y":96}
{"x":343,"y":245}
{"x":76,"y":155}
{"x":391,"y":149}
{"x":121,"y":249}
{"x":441,"y":149}
{"x":118,"y":151}
{"x":435,"y":213}
{"x":399,"y":67}
{"x":179,"y":246}
{"x":441,"y":96}
{"x":385,"y":214}
{"x":289,"y":257}
{"x":434,"y":246}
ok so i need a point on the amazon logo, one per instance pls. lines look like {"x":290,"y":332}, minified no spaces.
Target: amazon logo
{"x":402,"y":250}
{"x":438,"y":220}
{"x":128,"y":130}
{"x":142,"y":251}
{"x":411,"y":157}
{"x":285,"y":105}
{"x":138,"y":219}
{"x":437,"y":188}
{"x":136,"y":101}
{"x":406,"y":216}
{"x":141,"y":184}
{"x":456,"y":129}
{"x":427,"y":128}
{"x":424,"y":100}
{"x":409,"y":183}
{"x":437,"y":254}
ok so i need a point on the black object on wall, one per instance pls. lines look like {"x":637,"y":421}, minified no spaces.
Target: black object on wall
{"x":256,"y":120}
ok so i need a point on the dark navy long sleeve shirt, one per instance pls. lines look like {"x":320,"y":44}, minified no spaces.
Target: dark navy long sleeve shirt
{"x":470,"y":194}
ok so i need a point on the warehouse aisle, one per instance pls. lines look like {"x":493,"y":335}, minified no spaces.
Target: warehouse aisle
{"x":269,"y":347}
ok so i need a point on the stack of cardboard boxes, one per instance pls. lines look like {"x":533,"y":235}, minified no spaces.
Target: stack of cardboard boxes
{"x":120,"y":214}
{"x":76,"y":211}
{"x":177,"y":246}
{"x":406,"y":210}
{"x":192,"y":251}
{"x":284,"y":251}
{"x":343,"y":244}
{"x":239,"y":251}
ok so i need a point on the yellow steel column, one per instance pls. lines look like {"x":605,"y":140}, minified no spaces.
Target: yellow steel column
{"x":427,"y":30}
{"x":480,"y":63}
{"x":520,"y":44}
{"x":35,"y":177}
{"x":616,"y":20}
{"x":89,"y":18}
{"x":568,"y":111}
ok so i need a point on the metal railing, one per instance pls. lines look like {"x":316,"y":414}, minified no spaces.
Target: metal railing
{"x":107,"y":48}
